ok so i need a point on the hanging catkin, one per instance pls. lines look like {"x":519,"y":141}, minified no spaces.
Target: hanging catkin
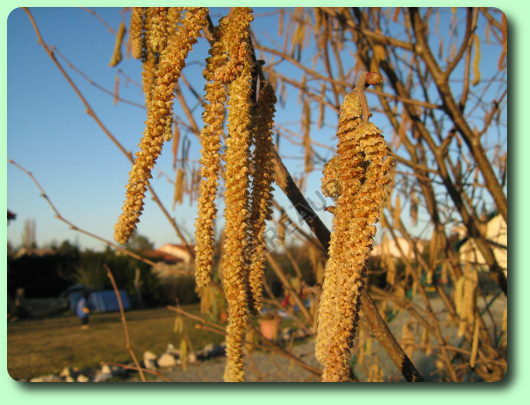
{"x":116,"y":54}
{"x":158,"y":116}
{"x":357,"y":178}
{"x":388,"y":261}
{"x":407,"y":339}
{"x":235,"y":44}
{"x":322,"y":108}
{"x":158,"y":28}
{"x":178,"y":192}
{"x":210,"y":137}
{"x":234,"y":265}
{"x":414,"y":204}
{"x":149,"y":77}
{"x":174,"y":14}
{"x":135,"y":31}
{"x":476,"y":60}
{"x":396,"y":211}
{"x":426,"y":341}
{"x":375,"y":373}
{"x":466,"y":298}
{"x":261,"y":195}
{"x":306,"y":128}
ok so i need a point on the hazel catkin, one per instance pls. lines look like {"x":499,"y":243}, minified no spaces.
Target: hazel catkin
{"x":210,"y":138}
{"x":358,"y":178}
{"x":158,"y":116}
{"x":234,"y":264}
{"x":116,"y":54}
{"x":261,"y":194}
{"x":135,"y":31}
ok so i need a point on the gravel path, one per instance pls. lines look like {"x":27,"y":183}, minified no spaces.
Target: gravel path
{"x":260,"y":367}
{"x":264,"y":366}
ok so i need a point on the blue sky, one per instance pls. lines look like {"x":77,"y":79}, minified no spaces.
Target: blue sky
{"x":84,"y":174}
{"x":50,"y":134}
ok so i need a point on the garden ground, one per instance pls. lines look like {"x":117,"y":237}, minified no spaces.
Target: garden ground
{"x":45,"y":346}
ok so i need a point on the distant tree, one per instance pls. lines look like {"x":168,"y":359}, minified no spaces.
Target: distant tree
{"x":10,"y":249}
{"x":89,"y":271}
{"x":139,"y":243}
{"x":29,"y":239}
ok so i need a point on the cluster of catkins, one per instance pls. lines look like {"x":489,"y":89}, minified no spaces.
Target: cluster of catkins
{"x":232,"y":86}
{"x":358,"y":179}
{"x":162,"y":37}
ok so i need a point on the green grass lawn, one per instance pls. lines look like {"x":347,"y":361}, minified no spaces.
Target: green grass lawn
{"x":46,"y":346}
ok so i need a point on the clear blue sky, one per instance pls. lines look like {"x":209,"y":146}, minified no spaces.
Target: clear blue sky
{"x":82,"y":171}
{"x":50,"y":134}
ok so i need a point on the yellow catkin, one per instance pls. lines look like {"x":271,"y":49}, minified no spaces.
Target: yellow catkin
{"x":474,"y":345}
{"x":149,"y":78}
{"x":322,"y":108}
{"x":178,"y":193}
{"x":170,"y":66}
{"x":414,"y":204}
{"x":135,"y":31}
{"x":459,"y":285}
{"x":168,"y":133}
{"x":210,"y":137}
{"x":261,"y":195}
{"x":466,"y":301}
{"x":235,"y":271}
{"x":358,"y":178}
{"x":174,"y":14}
{"x":116,"y":54}
{"x":282,"y":228}
{"x":426,"y":342}
{"x":396,"y":211}
{"x":387,"y":261}
{"x":183,"y":349}
{"x":158,"y":28}
{"x":178,"y":324}
{"x":476,"y":60}
{"x":407,"y":339}
{"x":235,"y":45}
{"x":364,"y":349}
{"x":194,"y":185}
{"x":350,"y":114}
{"x":375,"y":373}
{"x":207,"y":295}
{"x":306,"y":128}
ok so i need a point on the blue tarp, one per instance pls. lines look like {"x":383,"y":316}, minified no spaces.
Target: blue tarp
{"x":101,"y":301}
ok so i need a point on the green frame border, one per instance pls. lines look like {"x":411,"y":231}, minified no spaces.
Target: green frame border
{"x":511,"y":390}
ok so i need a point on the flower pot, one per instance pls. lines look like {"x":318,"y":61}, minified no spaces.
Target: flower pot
{"x":223,"y":317}
{"x":269,"y":328}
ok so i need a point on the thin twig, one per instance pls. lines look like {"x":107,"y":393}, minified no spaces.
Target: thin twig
{"x":74,"y":227}
{"x":105,"y":130}
{"x":93,"y":83}
{"x":100,"y":19}
{"x":379,"y":327}
{"x":268,"y":345}
{"x":123,"y":319}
